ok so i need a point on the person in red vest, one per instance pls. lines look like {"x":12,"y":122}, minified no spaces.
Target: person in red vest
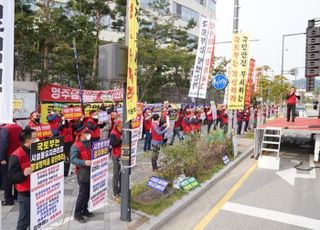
{"x":66,"y":131}
{"x":10,"y":141}
{"x":291,"y":104}
{"x":147,"y":123}
{"x":246,"y":115}
{"x":157,"y":133}
{"x":81,"y":158}
{"x":187,"y":123}
{"x":94,"y":125}
{"x":224,"y":118}
{"x":19,"y":174}
{"x":197,"y":122}
{"x":116,"y":143}
{"x":35,"y":123}
{"x":177,"y":127}
{"x":209,"y":118}
{"x":240,"y":119}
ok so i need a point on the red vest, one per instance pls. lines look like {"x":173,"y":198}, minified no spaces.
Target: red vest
{"x":210,"y":116}
{"x":224,"y":117}
{"x":116,"y":151}
{"x":178,"y":123}
{"x":197,"y":126}
{"x":186,"y":127}
{"x":67,"y":133}
{"x":154,"y":135}
{"x":147,"y":124}
{"x":84,"y":153}
{"x":96,"y":132}
{"x":24,"y":161}
{"x":14,"y":131}
{"x":292,"y":100}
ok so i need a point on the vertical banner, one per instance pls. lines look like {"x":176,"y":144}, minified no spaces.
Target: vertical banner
{"x":204,"y":60}
{"x":47,"y":182}
{"x":249,"y":84}
{"x":257,"y":80}
{"x":132,"y":97}
{"x":99,"y":174}
{"x":238,"y":73}
{"x":136,"y":133}
{"x":6,"y":60}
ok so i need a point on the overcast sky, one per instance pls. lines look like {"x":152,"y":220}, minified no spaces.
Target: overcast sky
{"x":268,"y":20}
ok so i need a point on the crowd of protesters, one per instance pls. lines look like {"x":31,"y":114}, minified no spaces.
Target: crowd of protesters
{"x":79,"y":134}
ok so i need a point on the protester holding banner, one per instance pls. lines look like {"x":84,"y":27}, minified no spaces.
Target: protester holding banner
{"x":43,"y":131}
{"x":81,"y":158}
{"x":54,"y":120}
{"x":157,"y":133}
{"x":94,"y":125}
{"x":116,"y":143}
{"x":66,"y":131}
{"x":19,"y":174}
{"x":147,"y":123}
{"x":10,"y":141}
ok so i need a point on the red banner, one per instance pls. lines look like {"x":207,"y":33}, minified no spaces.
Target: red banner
{"x":43,"y":131}
{"x":57,"y":93}
{"x":72,"y":113}
{"x":247,"y":101}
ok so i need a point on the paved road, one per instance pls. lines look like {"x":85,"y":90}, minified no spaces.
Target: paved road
{"x":260,"y":200}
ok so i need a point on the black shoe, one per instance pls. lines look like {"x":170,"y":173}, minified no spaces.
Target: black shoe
{"x":88,"y":214}
{"x":80,"y":219}
{"x":6,"y":203}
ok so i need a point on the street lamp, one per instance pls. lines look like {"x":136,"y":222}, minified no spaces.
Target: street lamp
{"x":283,"y":40}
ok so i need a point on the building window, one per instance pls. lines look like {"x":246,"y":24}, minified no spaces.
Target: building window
{"x":185,"y":13}
{"x":212,"y":5}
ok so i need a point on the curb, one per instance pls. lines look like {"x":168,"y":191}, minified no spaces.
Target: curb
{"x":176,"y":208}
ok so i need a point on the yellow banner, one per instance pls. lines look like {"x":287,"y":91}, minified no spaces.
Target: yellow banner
{"x":238,"y":73}
{"x":132,"y":97}
{"x":17,"y":104}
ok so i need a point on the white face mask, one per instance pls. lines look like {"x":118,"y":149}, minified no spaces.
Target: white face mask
{"x":88,"y":137}
{"x":95,"y":117}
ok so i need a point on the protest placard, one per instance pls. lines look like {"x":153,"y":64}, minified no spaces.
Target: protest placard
{"x":99,"y":174}
{"x":47,"y":182}
{"x":72,"y":113}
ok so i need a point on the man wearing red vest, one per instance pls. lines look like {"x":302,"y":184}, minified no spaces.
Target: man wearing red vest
{"x":187,"y":123}
{"x":291,"y":104}
{"x":81,"y":158}
{"x":94,"y":125}
{"x":209,"y":117}
{"x":19,"y":174}
{"x":177,"y":127}
{"x":10,"y":141}
{"x":157,"y":133}
{"x":147,"y":123}
{"x":116,"y":143}
{"x":247,"y":115}
{"x":35,"y":123}
{"x":66,"y":131}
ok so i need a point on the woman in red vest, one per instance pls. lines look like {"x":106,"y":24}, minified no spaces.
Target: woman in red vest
{"x":147,"y":123}
{"x":19,"y":174}
{"x":291,"y":104}
{"x":116,"y":143}
{"x":157,"y":133}
{"x":81,"y":158}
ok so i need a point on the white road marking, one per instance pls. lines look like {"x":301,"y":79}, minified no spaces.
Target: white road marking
{"x":281,"y":217}
{"x":291,"y":174}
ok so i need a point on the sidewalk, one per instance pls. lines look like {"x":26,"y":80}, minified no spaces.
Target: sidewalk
{"x":107,"y":218}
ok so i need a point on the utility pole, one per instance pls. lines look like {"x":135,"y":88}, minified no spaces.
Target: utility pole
{"x":235,"y":31}
{"x":126,"y":144}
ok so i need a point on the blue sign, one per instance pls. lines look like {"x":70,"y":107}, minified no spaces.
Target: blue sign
{"x":220,"y":82}
{"x":157,"y":183}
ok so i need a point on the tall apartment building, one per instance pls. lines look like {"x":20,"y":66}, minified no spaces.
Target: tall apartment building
{"x":183,"y":9}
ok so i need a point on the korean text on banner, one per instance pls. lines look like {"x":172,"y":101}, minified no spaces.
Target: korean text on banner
{"x":136,"y":130}
{"x":99,"y":174}
{"x":249,"y":84}
{"x":47,"y":182}
{"x":238,"y":73}
{"x":72,"y":113}
{"x":257,"y":81}
{"x":204,"y":60}
{"x":6,"y":61}
{"x":132,"y":97}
